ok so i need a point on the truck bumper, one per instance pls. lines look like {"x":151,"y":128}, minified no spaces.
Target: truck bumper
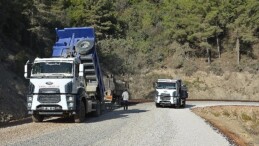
{"x":166,"y":103}
{"x":170,"y":102}
{"x":53,"y":113}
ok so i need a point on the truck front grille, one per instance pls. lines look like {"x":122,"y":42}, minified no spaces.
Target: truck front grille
{"x":165,"y":96}
{"x":49,"y":98}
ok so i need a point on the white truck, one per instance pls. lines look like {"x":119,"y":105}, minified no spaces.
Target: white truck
{"x":70,"y":82}
{"x":170,"y":92}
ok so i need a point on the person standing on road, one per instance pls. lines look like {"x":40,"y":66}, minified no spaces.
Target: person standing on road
{"x":125,"y":97}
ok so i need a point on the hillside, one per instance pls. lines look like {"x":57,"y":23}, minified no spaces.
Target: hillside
{"x":221,"y":80}
{"x":12,"y":95}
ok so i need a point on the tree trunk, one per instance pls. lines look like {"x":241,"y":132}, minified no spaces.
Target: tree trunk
{"x":238,"y":50}
{"x":218,"y":47}
{"x":208,"y":53}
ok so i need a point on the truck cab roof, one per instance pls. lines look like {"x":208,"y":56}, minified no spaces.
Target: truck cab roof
{"x":59,"y":59}
{"x":167,"y":80}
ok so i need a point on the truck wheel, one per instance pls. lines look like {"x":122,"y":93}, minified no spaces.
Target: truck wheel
{"x":37,"y":118}
{"x":84,"y":46}
{"x":102,"y":107}
{"x":178,"y":104}
{"x":183,"y":104}
{"x":80,"y":116}
{"x":158,"y":105}
{"x":97,"y":113}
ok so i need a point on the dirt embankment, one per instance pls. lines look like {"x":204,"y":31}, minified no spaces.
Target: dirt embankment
{"x":12,"y":95}
{"x":229,"y":86}
{"x":239,"y":123}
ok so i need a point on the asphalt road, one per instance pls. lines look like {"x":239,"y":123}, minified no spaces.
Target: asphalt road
{"x":143,"y":124}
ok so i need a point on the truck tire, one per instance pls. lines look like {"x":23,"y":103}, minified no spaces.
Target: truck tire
{"x":84,"y":47}
{"x":178,"y":104}
{"x":37,"y":118}
{"x":183,"y":104}
{"x":97,"y":113}
{"x":158,"y":105}
{"x":80,"y":116}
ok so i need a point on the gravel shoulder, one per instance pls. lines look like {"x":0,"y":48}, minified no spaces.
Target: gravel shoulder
{"x":142,"y":124}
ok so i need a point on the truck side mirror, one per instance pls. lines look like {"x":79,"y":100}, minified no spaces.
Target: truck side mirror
{"x":27,"y":69}
{"x":81,"y":70}
{"x":155,"y":85}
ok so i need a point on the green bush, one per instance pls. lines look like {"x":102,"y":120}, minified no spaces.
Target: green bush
{"x":216,"y":114}
{"x":246,"y":117}
{"x":226,"y":113}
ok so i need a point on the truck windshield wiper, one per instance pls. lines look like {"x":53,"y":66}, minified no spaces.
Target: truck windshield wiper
{"x":57,"y":74}
{"x":61,"y":75}
{"x":38,"y":76}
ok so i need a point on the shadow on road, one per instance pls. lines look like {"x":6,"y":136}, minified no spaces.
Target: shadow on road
{"x":59,"y":120}
{"x":189,"y":106}
{"x":108,"y":114}
{"x":115,"y":114}
{"x":15,"y":123}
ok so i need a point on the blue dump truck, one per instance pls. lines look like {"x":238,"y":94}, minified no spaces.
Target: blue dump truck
{"x":70,"y":83}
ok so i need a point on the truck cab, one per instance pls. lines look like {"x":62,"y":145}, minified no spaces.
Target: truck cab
{"x":54,"y":83}
{"x":70,"y":82}
{"x":170,"y":92}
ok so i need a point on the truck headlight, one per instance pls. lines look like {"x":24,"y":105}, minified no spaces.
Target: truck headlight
{"x":29,"y":99}
{"x":29,"y":105}
{"x":71,"y":104}
{"x":175,"y":99}
{"x":70,"y":99}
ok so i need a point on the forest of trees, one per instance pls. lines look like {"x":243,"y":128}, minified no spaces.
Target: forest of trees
{"x":135,"y":34}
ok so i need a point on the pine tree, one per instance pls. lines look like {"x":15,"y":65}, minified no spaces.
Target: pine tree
{"x":96,"y":13}
{"x":242,"y":27}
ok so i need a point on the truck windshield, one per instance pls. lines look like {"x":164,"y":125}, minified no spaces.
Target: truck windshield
{"x":52,"y":69}
{"x":166,"y":85}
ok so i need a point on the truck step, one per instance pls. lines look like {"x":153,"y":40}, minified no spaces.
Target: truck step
{"x":90,"y":77}
{"x":90,"y":70}
{"x":89,"y":64}
{"x":88,"y":57}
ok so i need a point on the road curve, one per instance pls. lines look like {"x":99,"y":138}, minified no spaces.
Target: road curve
{"x":142,"y":124}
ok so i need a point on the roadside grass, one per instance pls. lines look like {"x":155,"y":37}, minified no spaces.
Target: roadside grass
{"x":255,"y":128}
{"x":216,"y":114}
{"x":252,"y":122}
{"x":226,"y":113}
{"x":246,"y":117}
